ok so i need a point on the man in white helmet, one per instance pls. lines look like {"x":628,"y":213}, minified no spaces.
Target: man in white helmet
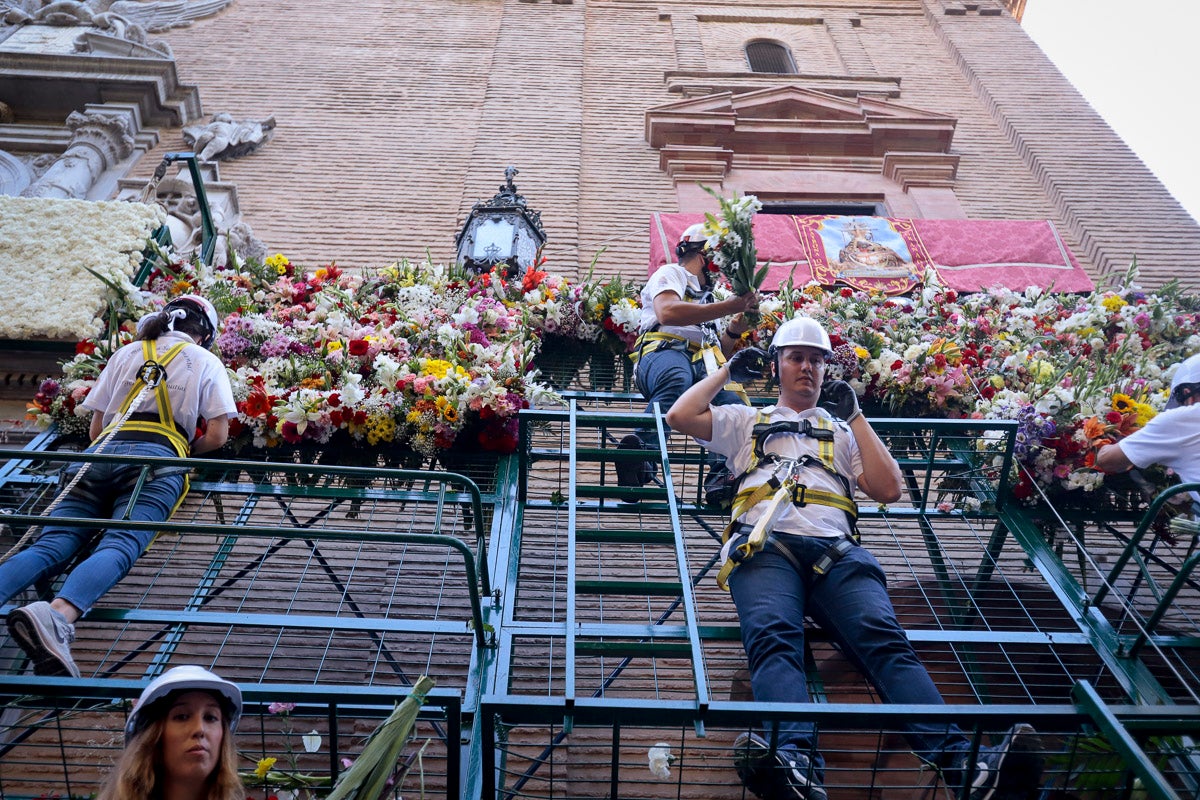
{"x":808,"y":563}
{"x":1171,"y":438}
{"x":678,"y":315}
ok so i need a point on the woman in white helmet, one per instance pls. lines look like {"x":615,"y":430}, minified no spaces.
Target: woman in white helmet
{"x":179,"y":741}
{"x":183,"y":383}
{"x":678,"y":311}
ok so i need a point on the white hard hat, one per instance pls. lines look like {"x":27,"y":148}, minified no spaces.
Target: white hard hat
{"x":1188,"y":372}
{"x":695,"y":234}
{"x":201,"y":306}
{"x":187,"y":678}
{"x":801,"y":331}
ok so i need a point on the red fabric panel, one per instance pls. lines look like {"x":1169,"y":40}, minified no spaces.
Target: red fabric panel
{"x":968,"y":255}
{"x":973,"y":255}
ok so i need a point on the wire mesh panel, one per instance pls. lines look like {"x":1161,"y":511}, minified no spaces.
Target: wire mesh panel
{"x":621,"y":752}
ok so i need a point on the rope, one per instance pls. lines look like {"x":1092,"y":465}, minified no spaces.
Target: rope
{"x":152,"y":374}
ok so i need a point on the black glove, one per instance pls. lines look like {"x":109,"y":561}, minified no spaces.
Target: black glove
{"x":747,"y":364}
{"x":839,"y":399}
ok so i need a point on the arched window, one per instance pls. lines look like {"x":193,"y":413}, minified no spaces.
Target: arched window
{"x":765,"y":56}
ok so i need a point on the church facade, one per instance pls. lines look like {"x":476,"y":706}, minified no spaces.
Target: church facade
{"x":385,"y":122}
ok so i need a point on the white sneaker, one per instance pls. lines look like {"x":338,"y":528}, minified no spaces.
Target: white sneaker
{"x":45,"y":636}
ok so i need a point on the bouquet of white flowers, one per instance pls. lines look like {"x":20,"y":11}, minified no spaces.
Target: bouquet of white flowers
{"x":731,"y":241}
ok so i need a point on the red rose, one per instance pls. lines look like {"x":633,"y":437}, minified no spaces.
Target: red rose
{"x":358,"y":347}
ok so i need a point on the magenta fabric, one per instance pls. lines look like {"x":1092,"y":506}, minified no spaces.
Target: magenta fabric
{"x":967,"y":255}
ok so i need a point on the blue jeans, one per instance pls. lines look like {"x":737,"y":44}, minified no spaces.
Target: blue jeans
{"x":663,"y":375}
{"x":850,"y":602}
{"x":107,"y":491}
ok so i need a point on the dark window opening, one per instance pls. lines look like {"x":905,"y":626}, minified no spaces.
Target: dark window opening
{"x":770,"y":57}
{"x":832,"y":209}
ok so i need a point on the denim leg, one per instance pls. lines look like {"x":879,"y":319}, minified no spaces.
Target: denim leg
{"x":852,"y":603}
{"x":771,"y":598}
{"x":662,"y":376}
{"x":118,"y":549}
{"x":50,"y":552}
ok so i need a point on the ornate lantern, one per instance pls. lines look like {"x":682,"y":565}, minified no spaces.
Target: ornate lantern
{"x":502,"y":230}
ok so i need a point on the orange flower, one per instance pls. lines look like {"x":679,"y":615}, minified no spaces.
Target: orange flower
{"x":1093,"y":428}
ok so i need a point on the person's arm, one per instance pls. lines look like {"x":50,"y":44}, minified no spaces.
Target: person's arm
{"x":1111,"y":458}
{"x":691,"y":415}
{"x":671,"y":309}
{"x":733,"y":332}
{"x":216,"y":433}
{"x":96,"y":426}
{"x":880,"y":479}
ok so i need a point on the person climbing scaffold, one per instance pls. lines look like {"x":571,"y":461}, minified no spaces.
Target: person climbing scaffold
{"x":792,"y":551}
{"x":147,"y":402}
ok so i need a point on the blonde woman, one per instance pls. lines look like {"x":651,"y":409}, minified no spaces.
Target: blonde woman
{"x":179,"y":741}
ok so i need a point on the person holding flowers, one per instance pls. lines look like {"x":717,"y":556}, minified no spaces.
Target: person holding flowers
{"x":147,"y":402}
{"x":1171,"y":438}
{"x":679,"y":316}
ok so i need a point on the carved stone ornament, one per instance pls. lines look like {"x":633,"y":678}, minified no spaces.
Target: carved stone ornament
{"x":153,"y":16}
{"x":224,"y":138}
{"x":98,"y":142}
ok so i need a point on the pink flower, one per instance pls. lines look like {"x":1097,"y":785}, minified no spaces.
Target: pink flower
{"x":946,"y":506}
{"x":281,"y":708}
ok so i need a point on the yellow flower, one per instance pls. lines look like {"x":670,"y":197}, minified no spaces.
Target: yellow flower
{"x":278,"y":262}
{"x":861,"y":352}
{"x":334,"y":345}
{"x":1113,"y":303}
{"x":437,"y":368}
{"x":1122,"y":403}
{"x":997,"y":382}
{"x":1041,"y":370}
{"x":264,"y":766}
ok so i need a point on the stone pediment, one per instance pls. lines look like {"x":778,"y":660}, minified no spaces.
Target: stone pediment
{"x":798,"y":122}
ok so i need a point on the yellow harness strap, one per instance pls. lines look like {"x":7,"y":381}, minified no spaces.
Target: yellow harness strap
{"x":166,"y":419}
{"x":711,"y":355}
{"x":165,"y":426}
{"x":782,"y":493}
{"x":649,"y":337}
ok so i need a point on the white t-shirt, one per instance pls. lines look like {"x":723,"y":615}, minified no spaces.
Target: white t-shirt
{"x":1172,"y":439}
{"x":733,"y":438}
{"x":669,"y":278}
{"x":197,"y":383}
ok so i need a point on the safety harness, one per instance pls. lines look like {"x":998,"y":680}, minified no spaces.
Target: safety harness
{"x":151,"y":376}
{"x":709,"y":353}
{"x":783,"y":488}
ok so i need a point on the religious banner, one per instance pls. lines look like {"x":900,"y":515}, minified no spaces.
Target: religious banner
{"x":892,"y":255}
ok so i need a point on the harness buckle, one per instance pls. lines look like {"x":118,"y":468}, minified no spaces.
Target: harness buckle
{"x":818,"y":433}
{"x":741,"y":553}
{"x":151,"y":373}
{"x":798,"y":492}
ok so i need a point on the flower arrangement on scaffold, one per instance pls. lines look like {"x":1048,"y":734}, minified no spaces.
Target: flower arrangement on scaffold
{"x":731,"y":241}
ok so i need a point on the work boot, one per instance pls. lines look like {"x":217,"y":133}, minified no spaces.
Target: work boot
{"x":633,"y":474}
{"x":786,"y":774}
{"x":1011,"y":770}
{"x":45,"y":636}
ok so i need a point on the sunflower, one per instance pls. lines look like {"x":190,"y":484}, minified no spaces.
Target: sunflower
{"x":1122,"y":403}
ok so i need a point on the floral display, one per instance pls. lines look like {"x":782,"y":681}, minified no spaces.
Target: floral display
{"x":1075,"y":371}
{"x":61,"y":254}
{"x":731,"y":240}
{"x":418,"y":358}
{"x":409,"y":359}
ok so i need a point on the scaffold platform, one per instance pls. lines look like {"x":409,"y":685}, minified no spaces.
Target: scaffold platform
{"x":571,"y":632}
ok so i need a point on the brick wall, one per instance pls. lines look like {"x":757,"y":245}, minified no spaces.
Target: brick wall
{"x":394,"y":117}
